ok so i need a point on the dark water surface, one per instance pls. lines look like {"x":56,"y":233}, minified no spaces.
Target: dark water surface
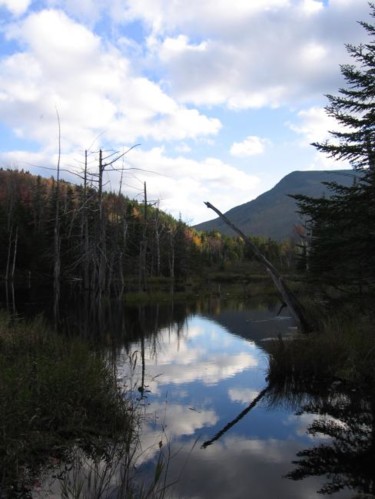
{"x":198,"y":372}
{"x":197,"y":381}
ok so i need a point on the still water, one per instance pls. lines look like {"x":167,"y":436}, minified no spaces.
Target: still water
{"x":197,"y":372}
{"x":197,"y":380}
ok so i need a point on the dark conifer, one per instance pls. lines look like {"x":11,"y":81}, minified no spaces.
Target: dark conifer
{"x":341,"y":227}
{"x":354,"y":107}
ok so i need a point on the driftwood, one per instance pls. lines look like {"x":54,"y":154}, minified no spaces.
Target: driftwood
{"x":295,"y":307}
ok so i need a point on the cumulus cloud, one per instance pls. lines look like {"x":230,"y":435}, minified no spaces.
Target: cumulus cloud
{"x":182,"y":184}
{"x":313,"y":125}
{"x":209,"y":15}
{"x":16,"y":7}
{"x":251,"y":146}
{"x":258,"y":54}
{"x":64,"y":65}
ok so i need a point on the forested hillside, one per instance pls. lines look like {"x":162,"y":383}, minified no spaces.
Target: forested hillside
{"x":104,"y":239}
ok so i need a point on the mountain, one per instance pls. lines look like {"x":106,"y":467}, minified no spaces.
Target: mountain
{"x":274,"y":214}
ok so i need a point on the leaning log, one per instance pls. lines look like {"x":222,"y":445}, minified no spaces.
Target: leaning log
{"x":295,"y":306}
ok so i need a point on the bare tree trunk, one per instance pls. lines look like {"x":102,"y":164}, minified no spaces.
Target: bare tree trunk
{"x":14,"y":253}
{"x":85,"y":231}
{"x":10,"y":242}
{"x":122,"y":253}
{"x":57,"y":262}
{"x":124,"y":229}
{"x":143,"y":247}
{"x":158,"y":231}
{"x":101,"y":242}
{"x":10,"y":298}
{"x":295,"y":307}
{"x":172,"y":254}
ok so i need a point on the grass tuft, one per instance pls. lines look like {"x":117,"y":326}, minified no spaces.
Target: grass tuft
{"x":55,"y":394}
{"x":343,"y":349}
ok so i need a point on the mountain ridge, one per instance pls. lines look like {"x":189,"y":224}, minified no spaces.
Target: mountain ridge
{"x":274,"y":214}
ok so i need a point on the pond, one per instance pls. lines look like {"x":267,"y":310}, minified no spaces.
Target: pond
{"x":210,"y":424}
{"x":199,"y":381}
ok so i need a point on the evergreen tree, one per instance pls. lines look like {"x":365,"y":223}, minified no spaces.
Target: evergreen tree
{"x":354,"y":107}
{"x":342,"y":236}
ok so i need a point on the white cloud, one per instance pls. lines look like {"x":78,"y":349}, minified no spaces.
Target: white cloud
{"x":183,"y":184}
{"x":91,"y":12}
{"x":251,"y":146}
{"x":63,"y":65}
{"x":312,"y":6}
{"x":69,"y":43}
{"x":163,"y":15}
{"x":313,"y":125}
{"x":257,"y":54}
{"x":16,"y":7}
{"x":181,"y":44}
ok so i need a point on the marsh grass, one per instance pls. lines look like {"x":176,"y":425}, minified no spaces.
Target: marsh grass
{"x":115,"y":477}
{"x":55,"y":395}
{"x":343,"y":349}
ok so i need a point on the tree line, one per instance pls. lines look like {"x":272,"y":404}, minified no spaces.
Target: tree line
{"x":105,"y":240}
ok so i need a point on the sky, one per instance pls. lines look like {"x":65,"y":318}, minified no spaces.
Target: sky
{"x":205,"y":100}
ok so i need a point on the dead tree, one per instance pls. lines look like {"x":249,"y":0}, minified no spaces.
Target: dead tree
{"x":102,"y":277}
{"x":143,"y":246}
{"x":57,"y":239}
{"x":295,"y":307}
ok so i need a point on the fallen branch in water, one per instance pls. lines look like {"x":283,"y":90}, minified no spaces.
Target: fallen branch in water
{"x":295,"y":307}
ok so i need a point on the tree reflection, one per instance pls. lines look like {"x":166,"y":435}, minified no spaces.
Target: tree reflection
{"x":345,"y":419}
{"x":234,"y":421}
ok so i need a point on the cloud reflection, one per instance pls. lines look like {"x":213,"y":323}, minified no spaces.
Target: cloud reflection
{"x":234,"y":466}
{"x":198,"y":353}
{"x":243,"y":395}
{"x":243,"y":468}
{"x":166,"y":423}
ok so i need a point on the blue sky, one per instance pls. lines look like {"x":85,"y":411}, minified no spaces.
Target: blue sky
{"x":223,"y":97}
